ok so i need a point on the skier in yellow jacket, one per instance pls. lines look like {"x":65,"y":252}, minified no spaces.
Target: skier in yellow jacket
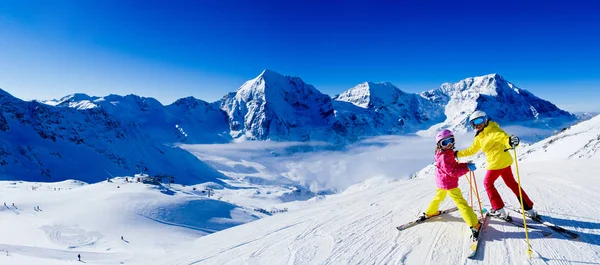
{"x":494,"y":143}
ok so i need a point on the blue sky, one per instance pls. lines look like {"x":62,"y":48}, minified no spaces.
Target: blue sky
{"x":173,"y":49}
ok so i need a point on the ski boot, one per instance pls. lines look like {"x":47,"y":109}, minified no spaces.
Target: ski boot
{"x":475,"y":231}
{"x":500,"y":213}
{"x":426,"y":216}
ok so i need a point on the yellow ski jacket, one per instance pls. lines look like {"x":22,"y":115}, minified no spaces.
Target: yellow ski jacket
{"x":493,"y":141}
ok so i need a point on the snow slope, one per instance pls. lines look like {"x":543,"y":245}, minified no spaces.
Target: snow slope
{"x":501,"y":100}
{"x":358,"y":225}
{"x":578,"y":141}
{"x":45,"y":143}
{"x":171,"y":224}
{"x":77,"y":218}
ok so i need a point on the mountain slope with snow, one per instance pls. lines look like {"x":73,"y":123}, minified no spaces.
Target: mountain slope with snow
{"x":78,"y":101}
{"x":115,"y":222}
{"x":276,"y":107}
{"x":187,"y":120}
{"x":381,"y":109}
{"x":268,"y":107}
{"x":500,"y":99}
{"x":46,"y":143}
{"x":578,"y":141}
{"x":170,"y":224}
{"x":284,"y":108}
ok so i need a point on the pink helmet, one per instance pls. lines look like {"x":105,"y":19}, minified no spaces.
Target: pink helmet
{"x":443,"y":135}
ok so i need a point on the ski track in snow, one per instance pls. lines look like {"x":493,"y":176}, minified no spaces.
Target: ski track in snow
{"x":72,"y":237}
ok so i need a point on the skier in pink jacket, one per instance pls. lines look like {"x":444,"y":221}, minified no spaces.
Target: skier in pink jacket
{"x":448,"y":170}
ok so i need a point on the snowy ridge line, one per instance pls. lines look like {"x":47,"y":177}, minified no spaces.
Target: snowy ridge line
{"x":279,"y":107}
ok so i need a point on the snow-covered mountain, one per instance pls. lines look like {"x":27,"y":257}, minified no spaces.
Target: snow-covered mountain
{"x":168,"y":224}
{"x":47,"y":143}
{"x":500,"y":99}
{"x":284,"y":108}
{"x":382,"y":108}
{"x":276,"y":107}
{"x":578,"y":141}
{"x":188,"y":120}
{"x":77,"y":101}
{"x":582,"y":116}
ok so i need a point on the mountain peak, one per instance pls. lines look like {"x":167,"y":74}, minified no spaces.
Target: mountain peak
{"x":490,"y":84}
{"x":273,"y":83}
{"x":275,"y":106}
{"x":492,"y":75}
{"x":364,"y":94}
{"x":270,"y":73}
{"x":494,"y":95}
{"x":77,"y":97}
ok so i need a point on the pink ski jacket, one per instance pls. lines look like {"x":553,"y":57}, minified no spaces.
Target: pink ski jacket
{"x":448,"y":170}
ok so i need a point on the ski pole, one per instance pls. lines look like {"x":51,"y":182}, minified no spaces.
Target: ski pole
{"x":470,"y":189}
{"x":522,"y":207}
{"x":477,"y":193}
{"x":471,"y":193}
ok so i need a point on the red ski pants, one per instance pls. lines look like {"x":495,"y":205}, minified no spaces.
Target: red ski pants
{"x":506,"y":173}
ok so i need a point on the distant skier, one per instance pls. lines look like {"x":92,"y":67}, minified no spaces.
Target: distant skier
{"x":79,"y":257}
{"x":494,"y":143}
{"x":446,"y":178}
{"x":122,"y":238}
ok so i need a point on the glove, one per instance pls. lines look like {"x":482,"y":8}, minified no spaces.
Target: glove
{"x":471,"y":166}
{"x":513,"y":141}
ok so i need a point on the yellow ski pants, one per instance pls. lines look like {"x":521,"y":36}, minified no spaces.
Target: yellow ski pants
{"x":466,"y":211}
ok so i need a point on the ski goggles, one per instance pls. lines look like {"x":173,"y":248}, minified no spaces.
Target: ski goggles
{"x":477,"y":121}
{"x":447,"y":141}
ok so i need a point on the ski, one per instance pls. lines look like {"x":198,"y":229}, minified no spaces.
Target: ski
{"x":539,"y":219}
{"x":475,"y":244}
{"x":421,"y":220}
{"x":521,"y":224}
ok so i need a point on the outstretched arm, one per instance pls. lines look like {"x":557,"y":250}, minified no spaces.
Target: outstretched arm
{"x":473,"y":149}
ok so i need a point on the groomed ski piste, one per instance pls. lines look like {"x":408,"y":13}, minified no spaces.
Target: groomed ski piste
{"x":356,"y":226}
